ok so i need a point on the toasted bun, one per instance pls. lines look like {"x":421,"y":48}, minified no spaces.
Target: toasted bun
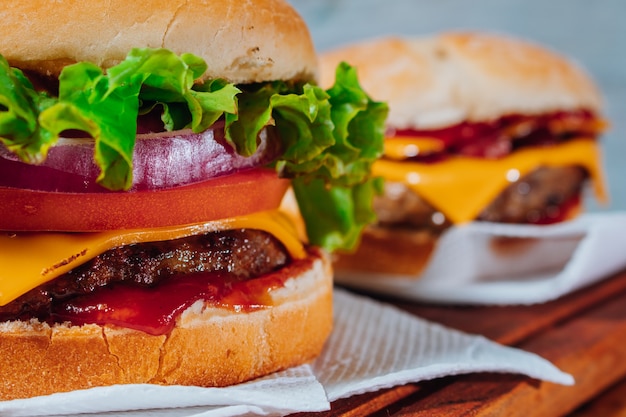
{"x":390,"y":251}
{"x":241,"y":41}
{"x":405,"y":253}
{"x":208,"y":347}
{"x":436,"y":81}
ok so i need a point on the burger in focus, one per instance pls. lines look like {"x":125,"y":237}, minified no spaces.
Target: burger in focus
{"x":144,"y":153}
{"x":481,"y":127}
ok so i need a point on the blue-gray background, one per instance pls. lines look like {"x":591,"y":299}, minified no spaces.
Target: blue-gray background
{"x":592,"y":32}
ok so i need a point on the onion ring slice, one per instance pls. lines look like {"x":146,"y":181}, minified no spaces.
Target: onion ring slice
{"x":160,"y":161}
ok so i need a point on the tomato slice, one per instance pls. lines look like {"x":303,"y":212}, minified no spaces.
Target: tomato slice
{"x":238,"y":194}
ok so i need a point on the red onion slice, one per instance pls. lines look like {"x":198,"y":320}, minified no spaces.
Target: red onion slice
{"x":160,"y":161}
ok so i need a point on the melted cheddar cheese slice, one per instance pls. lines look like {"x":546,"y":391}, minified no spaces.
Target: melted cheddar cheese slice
{"x":28,"y":260}
{"x":402,"y":147}
{"x":461,"y":187}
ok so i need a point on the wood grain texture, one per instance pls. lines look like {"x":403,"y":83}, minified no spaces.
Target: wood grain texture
{"x":611,"y":403}
{"x":583,"y":333}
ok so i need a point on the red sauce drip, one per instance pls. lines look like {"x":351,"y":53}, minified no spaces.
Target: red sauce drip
{"x":154,"y":310}
{"x":560,"y":213}
{"x":497,"y":138}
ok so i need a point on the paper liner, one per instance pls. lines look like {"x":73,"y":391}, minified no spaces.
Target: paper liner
{"x":379,"y":346}
{"x":278,"y":394}
{"x":489,"y":263}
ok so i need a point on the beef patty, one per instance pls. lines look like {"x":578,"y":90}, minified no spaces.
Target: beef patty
{"x":538,"y":195}
{"x":244,"y":253}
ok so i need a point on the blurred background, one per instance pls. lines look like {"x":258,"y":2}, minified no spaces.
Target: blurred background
{"x":593,"y":33}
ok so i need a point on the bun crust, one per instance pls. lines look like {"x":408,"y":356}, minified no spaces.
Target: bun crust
{"x":242,"y":41}
{"x":437,"y":81}
{"x":389,"y":251}
{"x":208,"y":347}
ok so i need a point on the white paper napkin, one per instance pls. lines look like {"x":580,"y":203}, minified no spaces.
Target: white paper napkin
{"x":278,"y":394}
{"x":373,"y":345}
{"x":376,"y":345}
{"x":489,"y":263}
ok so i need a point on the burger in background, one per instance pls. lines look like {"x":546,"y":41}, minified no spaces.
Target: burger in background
{"x":144,"y":155}
{"x":481,"y":127}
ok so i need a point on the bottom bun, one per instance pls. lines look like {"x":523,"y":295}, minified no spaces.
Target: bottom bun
{"x":208,"y":347}
{"x":405,"y":253}
{"x":392,"y":251}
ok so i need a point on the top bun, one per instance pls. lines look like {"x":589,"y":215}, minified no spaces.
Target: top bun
{"x":437,"y":81}
{"x":241,"y":41}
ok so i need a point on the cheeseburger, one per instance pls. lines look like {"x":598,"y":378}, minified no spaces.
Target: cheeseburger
{"x":481,"y":127}
{"x":144,"y":151}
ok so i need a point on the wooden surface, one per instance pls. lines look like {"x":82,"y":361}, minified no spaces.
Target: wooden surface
{"x":583,"y":334}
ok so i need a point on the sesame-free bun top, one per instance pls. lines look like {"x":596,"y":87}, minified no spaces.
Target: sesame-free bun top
{"x":436,"y":81}
{"x":241,"y":41}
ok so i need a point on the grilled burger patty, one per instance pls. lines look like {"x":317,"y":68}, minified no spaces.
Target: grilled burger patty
{"x":538,"y":195}
{"x":243,"y":253}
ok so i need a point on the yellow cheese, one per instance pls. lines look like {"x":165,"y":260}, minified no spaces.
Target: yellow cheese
{"x":401,"y":147}
{"x":28,"y":260}
{"x":461,"y":187}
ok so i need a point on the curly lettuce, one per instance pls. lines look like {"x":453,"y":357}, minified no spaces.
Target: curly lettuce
{"x":330,"y":138}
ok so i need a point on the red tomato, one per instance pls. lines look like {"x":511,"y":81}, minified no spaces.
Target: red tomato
{"x":218,"y":198}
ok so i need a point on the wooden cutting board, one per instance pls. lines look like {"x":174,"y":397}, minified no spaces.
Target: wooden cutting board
{"x":583,"y":334}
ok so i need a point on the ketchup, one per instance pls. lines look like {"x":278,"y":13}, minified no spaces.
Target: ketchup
{"x":154,"y":310}
{"x":499,"y":137}
{"x":559,"y":213}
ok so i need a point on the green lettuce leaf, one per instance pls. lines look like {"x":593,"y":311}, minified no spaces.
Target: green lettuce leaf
{"x":106,"y":106}
{"x":329,"y":138}
{"x":335,"y":216}
{"x":95,"y":104}
{"x":336,"y":198}
{"x":20,"y":106}
{"x":170,"y":81}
